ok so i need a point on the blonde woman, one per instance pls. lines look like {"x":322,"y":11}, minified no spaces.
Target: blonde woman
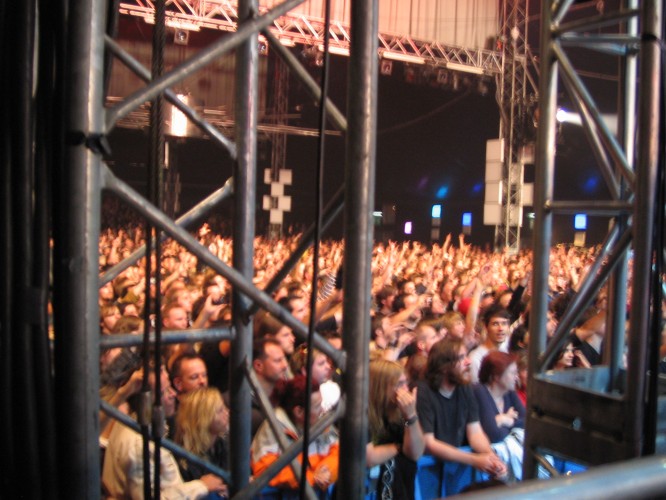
{"x":396,"y":438}
{"x":202,"y":423}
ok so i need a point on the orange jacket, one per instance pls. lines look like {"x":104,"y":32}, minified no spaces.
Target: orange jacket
{"x":323,"y":452}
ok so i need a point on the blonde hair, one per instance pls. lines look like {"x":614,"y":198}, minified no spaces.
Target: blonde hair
{"x":195,"y":415}
{"x":384,"y":376}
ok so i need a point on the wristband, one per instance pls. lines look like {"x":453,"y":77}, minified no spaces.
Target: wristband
{"x":411,"y":420}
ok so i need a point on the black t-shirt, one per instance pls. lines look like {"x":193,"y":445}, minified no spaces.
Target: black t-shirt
{"x":403,"y":468}
{"x":447,"y":417}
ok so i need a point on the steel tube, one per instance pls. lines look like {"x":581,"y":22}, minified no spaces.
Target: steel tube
{"x":646,"y":175}
{"x":595,"y":22}
{"x":543,"y":223}
{"x":358,"y":223}
{"x":639,"y":478}
{"x":617,"y":289}
{"x":76,"y":248}
{"x":591,"y":207}
{"x":168,"y":337}
{"x":245,"y":179}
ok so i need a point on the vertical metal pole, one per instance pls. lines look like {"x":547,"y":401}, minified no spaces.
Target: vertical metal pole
{"x":617,"y":284}
{"x":359,"y":200}
{"x":644,"y":207}
{"x":245,"y":179}
{"x":543,"y":194}
{"x":77,"y":257}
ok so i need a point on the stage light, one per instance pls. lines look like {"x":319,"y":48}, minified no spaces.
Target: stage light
{"x":436,"y":211}
{"x":408,"y":227}
{"x":334,"y":49}
{"x":442,"y":192}
{"x":181,"y":37}
{"x":406,"y":58}
{"x":467,"y":219}
{"x":178,"y":119}
{"x":464,"y":68}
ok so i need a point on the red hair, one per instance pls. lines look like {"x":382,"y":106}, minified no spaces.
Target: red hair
{"x":494,"y":365}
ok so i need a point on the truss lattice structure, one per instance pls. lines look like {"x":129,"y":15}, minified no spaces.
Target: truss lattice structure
{"x":602,"y":414}
{"x":292,"y":29}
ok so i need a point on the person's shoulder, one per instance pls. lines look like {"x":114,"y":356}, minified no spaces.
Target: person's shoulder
{"x":479,"y":390}
{"x":478,"y":352}
{"x":423,"y":388}
{"x":466,"y":390}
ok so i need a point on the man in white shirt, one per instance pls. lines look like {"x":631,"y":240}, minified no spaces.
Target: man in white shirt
{"x":497,"y":321}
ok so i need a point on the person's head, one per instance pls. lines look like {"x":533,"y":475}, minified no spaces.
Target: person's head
{"x":426,"y":336}
{"x":448,"y":363}
{"x":454,"y":322}
{"x":551,"y":323}
{"x":386,"y":377}
{"x":408,"y":287}
{"x":174,"y":317}
{"x":167,"y":394}
{"x":212,"y":290}
{"x":128,"y":324}
{"x":106,"y":294}
{"x":296,"y":304}
{"x":292,"y":399}
{"x":522,"y":371}
{"x":202,"y":417}
{"x":129,"y":309}
{"x":504,"y":298}
{"x":321,"y":365}
{"x":269,"y":361}
{"x":334,"y":338}
{"x":499,"y":369}
{"x":519,"y":340}
{"x":384,"y":298}
{"x":183,"y":298}
{"x":109,"y":315}
{"x":189,"y":373}
{"x":497,"y":321}
{"x":277,"y":330}
{"x":565,"y":358}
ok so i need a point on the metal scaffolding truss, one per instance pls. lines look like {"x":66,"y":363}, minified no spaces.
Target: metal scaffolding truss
{"x":606,"y":413}
{"x":517,"y":90}
{"x":300,"y":29}
{"x":87,"y":177}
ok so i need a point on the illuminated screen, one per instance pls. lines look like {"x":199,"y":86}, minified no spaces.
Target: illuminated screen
{"x":580,"y":222}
